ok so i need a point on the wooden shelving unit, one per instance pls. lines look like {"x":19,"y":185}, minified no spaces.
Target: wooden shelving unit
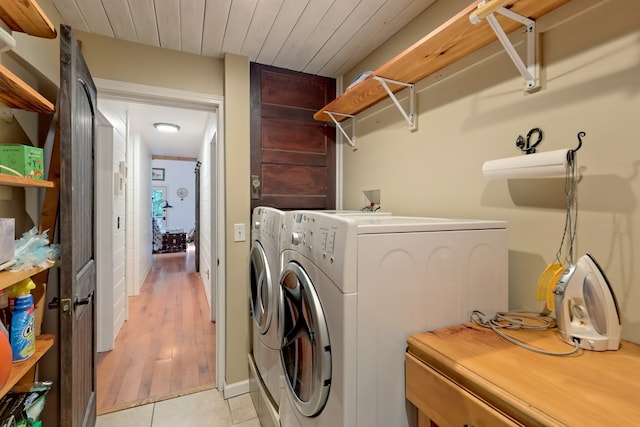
{"x":8,"y":278}
{"x":18,"y":370}
{"x":450,"y":42}
{"x":16,"y":181}
{"x":24,"y":16}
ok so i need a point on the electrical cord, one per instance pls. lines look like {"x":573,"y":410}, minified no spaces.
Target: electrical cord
{"x":518,"y":320}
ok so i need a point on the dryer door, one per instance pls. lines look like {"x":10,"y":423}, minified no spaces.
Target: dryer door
{"x":260,"y":288}
{"x":306,"y":351}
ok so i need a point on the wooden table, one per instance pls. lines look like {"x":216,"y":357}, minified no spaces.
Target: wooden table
{"x":468,"y":375}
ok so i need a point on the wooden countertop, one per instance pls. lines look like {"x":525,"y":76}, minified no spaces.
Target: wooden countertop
{"x":585,"y":389}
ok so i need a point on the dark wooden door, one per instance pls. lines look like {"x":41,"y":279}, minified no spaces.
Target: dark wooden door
{"x":77,"y":115}
{"x":292,"y":155}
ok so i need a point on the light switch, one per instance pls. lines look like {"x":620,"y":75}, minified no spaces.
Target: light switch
{"x":239,"y":234}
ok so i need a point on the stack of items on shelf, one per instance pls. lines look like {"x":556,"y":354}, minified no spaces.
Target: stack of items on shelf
{"x":22,"y":406}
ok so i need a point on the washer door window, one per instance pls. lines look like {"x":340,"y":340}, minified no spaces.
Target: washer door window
{"x":305,"y":351}
{"x":261,"y":288}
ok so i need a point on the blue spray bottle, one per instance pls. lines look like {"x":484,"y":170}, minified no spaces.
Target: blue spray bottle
{"x":23,"y":336}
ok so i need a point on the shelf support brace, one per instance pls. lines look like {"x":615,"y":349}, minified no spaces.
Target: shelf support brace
{"x":350,"y":139}
{"x":528,"y":70}
{"x":410,"y":117}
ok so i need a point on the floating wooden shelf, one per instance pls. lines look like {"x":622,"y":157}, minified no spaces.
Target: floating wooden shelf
{"x":8,"y":278}
{"x":17,"y":94}
{"x":27,"y":17}
{"x":17,"y":181}
{"x":18,"y":370}
{"x":450,"y":42}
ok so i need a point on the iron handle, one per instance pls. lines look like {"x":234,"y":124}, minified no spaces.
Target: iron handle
{"x":82,"y":301}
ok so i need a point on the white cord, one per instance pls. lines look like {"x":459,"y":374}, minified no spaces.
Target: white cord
{"x":517,"y":320}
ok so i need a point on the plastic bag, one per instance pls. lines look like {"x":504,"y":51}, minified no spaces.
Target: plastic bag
{"x":33,"y":250}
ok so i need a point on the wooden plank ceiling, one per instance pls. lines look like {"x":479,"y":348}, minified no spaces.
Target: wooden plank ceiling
{"x":324,"y":37}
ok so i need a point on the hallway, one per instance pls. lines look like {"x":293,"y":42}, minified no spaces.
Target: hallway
{"x":166,"y":348}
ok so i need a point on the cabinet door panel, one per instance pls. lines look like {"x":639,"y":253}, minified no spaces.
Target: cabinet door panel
{"x":444,"y":402}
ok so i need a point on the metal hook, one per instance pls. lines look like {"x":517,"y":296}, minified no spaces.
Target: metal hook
{"x":526,"y":146}
{"x":571,"y":153}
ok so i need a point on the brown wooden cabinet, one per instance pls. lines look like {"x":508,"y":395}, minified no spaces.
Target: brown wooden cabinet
{"x":467,"y":375}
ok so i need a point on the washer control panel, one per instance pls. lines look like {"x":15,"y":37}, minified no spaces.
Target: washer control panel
{"x":321,"y":238}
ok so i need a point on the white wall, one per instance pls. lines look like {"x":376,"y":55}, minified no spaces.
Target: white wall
{"x":206,"y":233}
{"x":119,"y":225}
{"x":110,"y":218}
{"x":178,"y":174}
{"x":473,"y":111}
{"x":139,"y":234}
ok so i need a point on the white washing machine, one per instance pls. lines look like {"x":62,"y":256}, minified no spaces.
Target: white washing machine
{"x":354,"y":288}
{"x":264,"y":361}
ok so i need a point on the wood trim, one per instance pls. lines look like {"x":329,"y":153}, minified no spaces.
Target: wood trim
{"x":183,"y":159}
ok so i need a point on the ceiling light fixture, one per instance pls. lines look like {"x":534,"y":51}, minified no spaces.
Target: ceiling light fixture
{"x":166,"y":127}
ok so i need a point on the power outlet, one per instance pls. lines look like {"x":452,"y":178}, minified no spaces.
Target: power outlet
{"x":239,"y":233}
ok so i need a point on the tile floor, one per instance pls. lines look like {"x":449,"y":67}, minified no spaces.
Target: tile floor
{"x":204,"y":409}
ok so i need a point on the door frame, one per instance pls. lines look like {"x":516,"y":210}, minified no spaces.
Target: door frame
{"x":124,"y":91}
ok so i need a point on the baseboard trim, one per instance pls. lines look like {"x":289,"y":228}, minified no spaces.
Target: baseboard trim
{"x":236,"y":389}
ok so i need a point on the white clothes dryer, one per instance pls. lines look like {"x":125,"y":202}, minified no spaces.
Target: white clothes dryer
{"x":355,"y":287}
{"x":264,"y":360}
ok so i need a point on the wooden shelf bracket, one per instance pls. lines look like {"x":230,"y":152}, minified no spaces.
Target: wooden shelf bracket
{"x":410,"y":116}
{"x":351,"y":139}
{"x":486,"y":9}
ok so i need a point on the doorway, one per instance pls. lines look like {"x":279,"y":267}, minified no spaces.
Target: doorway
{"x":138,"y":205}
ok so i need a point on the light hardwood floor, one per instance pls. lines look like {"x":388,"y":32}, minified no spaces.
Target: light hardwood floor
{"x":167,"y":346}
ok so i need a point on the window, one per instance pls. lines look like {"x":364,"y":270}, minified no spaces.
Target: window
{"x":158,"y":197}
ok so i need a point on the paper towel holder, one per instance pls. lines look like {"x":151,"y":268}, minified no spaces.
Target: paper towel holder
{"x":533,"y":165}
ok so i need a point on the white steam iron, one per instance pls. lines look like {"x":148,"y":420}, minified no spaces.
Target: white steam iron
{"x":586,"y":309}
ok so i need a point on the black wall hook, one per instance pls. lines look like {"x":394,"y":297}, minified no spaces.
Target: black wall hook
{"x":571,"y":153}
{"x":525,"y":145}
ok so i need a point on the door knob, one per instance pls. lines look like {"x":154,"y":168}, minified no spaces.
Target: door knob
{"x":255,"y":187}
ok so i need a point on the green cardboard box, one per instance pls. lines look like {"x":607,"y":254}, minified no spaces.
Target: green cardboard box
{"x":24,"y":159}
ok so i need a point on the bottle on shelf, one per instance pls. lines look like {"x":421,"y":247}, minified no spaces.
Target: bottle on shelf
{"x":5,"y":312}
{"x":22,"y":336}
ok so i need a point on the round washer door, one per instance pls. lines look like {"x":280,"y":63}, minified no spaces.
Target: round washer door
{"x":305,"y":351}
{"x":260,"y":288}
